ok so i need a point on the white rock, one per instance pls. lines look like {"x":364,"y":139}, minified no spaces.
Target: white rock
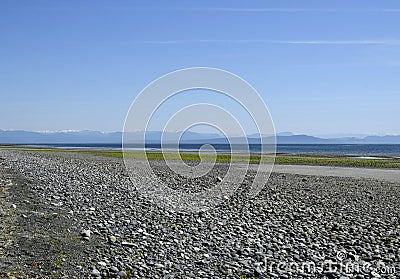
{"x":95,"y":272}
{"x":86,"y":233}
{"x":103,"y":264}
{"x":127,"y":244}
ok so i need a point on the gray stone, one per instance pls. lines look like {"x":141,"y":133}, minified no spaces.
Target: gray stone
{"x":95,"y":272}
{"x":122,"y":273}
{"x":103,"y":264}
{"x":114,"y":269}
{"x":86,"y":233}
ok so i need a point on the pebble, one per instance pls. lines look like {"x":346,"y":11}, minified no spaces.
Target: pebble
{"x":103,"y":264}
{"x":122,"y":273}
{"x":112,"y":238}
{"x":95,"y":272}
{"x":114,"y":269}
{"x":127,"y":244}
{"x":86,"y":233}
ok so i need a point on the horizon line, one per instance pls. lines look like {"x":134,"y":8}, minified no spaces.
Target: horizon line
{"x":351,"y":135}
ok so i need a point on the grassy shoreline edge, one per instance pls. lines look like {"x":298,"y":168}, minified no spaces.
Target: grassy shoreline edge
{"x":281,"y":159}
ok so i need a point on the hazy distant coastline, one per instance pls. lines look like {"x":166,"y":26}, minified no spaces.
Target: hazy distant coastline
{"x":30,"y":137}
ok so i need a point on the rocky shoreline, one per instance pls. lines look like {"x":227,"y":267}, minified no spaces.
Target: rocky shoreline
{"x":69,"y":215}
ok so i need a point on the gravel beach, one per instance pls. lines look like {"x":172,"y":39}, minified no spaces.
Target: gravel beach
{"x":74,"y":215}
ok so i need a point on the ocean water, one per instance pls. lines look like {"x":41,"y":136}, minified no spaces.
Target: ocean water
{"x":391,"y":150}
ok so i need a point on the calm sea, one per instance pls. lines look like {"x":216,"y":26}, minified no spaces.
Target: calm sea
{"x":392,"y":150}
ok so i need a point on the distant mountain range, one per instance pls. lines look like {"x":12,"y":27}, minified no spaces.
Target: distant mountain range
{"x":28,"y":137}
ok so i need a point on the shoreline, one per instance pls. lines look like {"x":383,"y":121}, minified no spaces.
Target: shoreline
{"x":109,"y":148}
{"x":386,"y":162}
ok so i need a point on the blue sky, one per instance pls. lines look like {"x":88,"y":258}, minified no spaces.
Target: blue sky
{"x":322,"y":67}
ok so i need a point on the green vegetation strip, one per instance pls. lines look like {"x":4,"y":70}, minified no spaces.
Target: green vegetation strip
{"x":338,"y":162}
{"x":280,"y":159}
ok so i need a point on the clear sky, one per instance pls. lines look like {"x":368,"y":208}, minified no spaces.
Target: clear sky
{"x":322,"y":67}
